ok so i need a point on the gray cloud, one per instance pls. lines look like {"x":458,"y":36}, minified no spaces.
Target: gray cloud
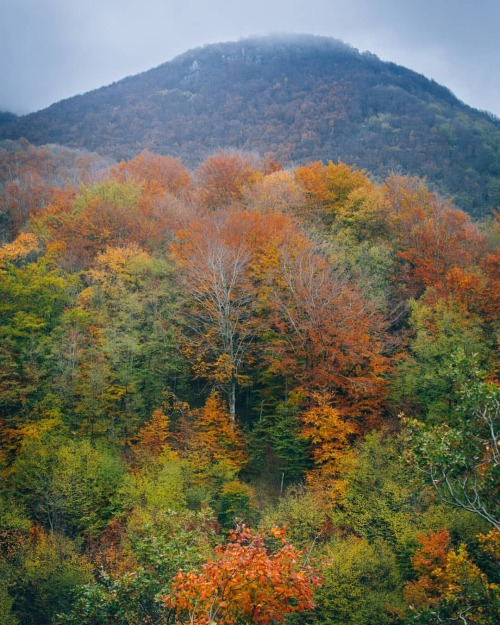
{"x":52,"y":49}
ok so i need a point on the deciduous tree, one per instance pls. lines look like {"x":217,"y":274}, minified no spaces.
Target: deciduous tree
{"x":450,"y":587}
{"x":325,"y":334}
{"x":461,"y":457}
{"x":223,"y":259}
{"x":221,"y":179}
{"x":245,"y":581}
{"x":331,"y":438}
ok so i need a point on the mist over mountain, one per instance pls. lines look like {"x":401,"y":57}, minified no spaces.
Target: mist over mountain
{"x":300,"y":97}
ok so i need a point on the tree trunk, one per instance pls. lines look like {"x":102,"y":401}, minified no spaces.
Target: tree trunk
{"x":231,"y":396}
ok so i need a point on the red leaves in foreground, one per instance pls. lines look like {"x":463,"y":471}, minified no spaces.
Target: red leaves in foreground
{"x":247,"y":581}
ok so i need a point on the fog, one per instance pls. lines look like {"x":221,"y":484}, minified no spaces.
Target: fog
{"x":52,"y":49}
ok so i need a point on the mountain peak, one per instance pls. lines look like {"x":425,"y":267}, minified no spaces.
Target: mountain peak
{"x":271,"y":46}
{"x":301,"y":97}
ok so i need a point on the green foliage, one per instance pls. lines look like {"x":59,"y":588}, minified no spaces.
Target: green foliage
{"x":385,"y":500}
{"x":80,"y":374}
{"x":32,"y":298}
{"x":372,"y":262}
{"x":51,"y":571}
{"x":114,"y":353}
{"x":171,"y":540}
{"x":117,"y":470}
{"x":424,"y":382}
{"x":236,"y":502}
{"x":6,"y":615}
{"x":174,"y":541}
{"x":39,"y":570}
{"x":302,"y":513}
{"x":460,"y":458}
{"x":68,"y":485}
{"x":109,"y":193}
{"x":157,"y":486}
{"x":276,"y":447}
{"x":361,"y":585}
{"x":379,"y":501}
{"x":134,"y":299}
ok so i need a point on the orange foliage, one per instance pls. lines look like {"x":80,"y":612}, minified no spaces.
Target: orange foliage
{"x":490,"y":543}
{"x":249,"y":274}
{"x":224,"y":258}
{"x":327,"y":187}
{"x":152,"y":437}
{"x":433,"y":237}
{"x":433,"y":552}
{"x":450,"y":583}
{"x":158,"y":174}
{"x":331,"y":437}
{"x":466,"y":288}
{"x":216,"y":437}
{"x":327,"y":336}
{"x":106,"y":552}
{"x":222,"y":178}
{"x":241,"y":233}
{"x":22,"y":199}
{"x":113,"y":270}
{"x":31,"y":177}
{"x":474,"y":292}
{"x":490,"y":300}
{"x":108,"y":214}
{"x":23,"y":245}
{"x":279,"y":191}
{"x":245,"y":582}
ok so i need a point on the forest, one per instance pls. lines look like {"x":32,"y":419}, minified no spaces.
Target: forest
{"x":303,"y":98}
{"x":244,"y":394}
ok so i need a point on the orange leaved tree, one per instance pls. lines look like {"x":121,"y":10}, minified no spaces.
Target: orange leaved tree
{"x":215,"y":436}
{"x":326,"y":334}
{"x":330,"y":436}
{"x":450,"y":586}
{"x":245,"y":582}
{"x":157,"y":173}
{"x":327,"y":187}
{"x":223,"y":177}
{"x":432,"y":236}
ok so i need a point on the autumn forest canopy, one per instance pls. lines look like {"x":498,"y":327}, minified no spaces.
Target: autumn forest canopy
{"x":244,"y":393}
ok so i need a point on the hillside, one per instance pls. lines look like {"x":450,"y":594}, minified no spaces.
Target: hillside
{"x":302,"y":98}
{"x":258,"y":395}
{"x":7,"y":118}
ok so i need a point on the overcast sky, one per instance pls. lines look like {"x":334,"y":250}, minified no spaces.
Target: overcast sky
{"x":52,"y":49}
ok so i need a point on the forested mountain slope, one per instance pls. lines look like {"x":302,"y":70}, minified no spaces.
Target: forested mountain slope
{"x":302,"y":98}
{"x":243,"y":393}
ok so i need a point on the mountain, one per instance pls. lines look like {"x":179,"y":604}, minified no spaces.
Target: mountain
{"x":300,"y":97}
{"x":7,"y":118}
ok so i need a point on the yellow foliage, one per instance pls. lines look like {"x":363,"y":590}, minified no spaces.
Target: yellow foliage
{"x":19,"y":248}
{"x":217,"y":436}
{"x":330,"y":437}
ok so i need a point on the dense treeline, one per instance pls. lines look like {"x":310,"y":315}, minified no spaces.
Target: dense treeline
{"x":302,"y":98}
{"x":243,"y":394}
